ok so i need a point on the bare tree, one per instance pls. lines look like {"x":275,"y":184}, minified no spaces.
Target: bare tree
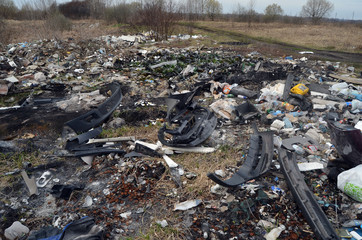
{"x":199,"y":8}
{"x":240,"y":13}
{"x":250,"y":11}
{"x":317,"y":9}
{"x":7,"y":9}
{"x":213,"y":8}
{"x":273,"y":12}
{"x":160,"y":16}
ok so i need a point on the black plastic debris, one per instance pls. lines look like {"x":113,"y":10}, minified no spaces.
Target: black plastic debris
{"x":315,"y":216}
{"x":348,"y":142}
{"x":95,"y":117}
{"x":246,"y":111}
{"x":305,"y":141}
{"x":140,"y":148}
{"x":96,"y":151}
{"x":48,"y":232}
{"x":257,"y":162}
{"x":194,"y":123}
{"x":301,"y":101}
{"x":82,"y":138}
{"x":287,"y":87}
{"x":78,"y":145}
{"x":321,"y":88}
{"x":243,"y":91}
{"x":64,"y":191}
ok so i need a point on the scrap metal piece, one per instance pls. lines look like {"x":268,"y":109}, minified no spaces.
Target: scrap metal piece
{"x":30,"y":183}
{"x":348,"y":142}
{"x":191,"y":149}
{"x":95,"y":117}
{"x":315,"y":216}
{"x":347,"y":79}
{"x":171,"y":63}
{"x":257,"y":162}
{"x":116,"y":139}
{"x":44,"y":179}
{"x":305,"y":141}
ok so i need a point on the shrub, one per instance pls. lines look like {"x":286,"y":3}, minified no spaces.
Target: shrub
{"x":5,"y":32}
{"x":58,"y":22}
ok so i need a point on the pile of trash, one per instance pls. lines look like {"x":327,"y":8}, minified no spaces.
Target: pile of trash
{"x":298,"y":123}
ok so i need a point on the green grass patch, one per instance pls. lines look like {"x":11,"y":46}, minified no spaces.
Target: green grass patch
{"x":11,"y":161}
{"x":158,"y":232}
{"x":12,"y":99}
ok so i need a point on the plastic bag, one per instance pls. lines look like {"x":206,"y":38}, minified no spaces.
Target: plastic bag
{"x":350,"y":182}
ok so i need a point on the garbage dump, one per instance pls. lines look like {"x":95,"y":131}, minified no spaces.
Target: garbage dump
{"x":111,"y":139}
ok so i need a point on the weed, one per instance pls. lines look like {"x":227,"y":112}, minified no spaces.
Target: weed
{"x":11,"y":161}
{"x":5,"y":32}
{"x":140,"y":132}
{"x":58,"y":22}
{"x":156,"y":231}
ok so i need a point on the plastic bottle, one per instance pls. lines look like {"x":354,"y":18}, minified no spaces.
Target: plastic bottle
{"x":357,"y":96}
{"x":287,"y":106}
{"x":356,"y":105}
{"x":276,"y":113}
{"x":287,"y":123}
{"x":298,"y":149}
{"x":352,"y":223}
{"x":243,"y":97}
{"x":339,"y":86}
{"x":274,"y":233}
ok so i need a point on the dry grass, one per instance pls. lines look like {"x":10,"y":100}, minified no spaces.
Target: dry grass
{"x":27,"y":31}
{"x":345,"y":37}
{"x":12,"y":161}
{"x":201,"y":164}
{"x":329,"y":36}
{"x":148,"y":132}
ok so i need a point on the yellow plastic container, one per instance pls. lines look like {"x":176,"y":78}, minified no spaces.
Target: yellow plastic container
{"x":300,"y":89}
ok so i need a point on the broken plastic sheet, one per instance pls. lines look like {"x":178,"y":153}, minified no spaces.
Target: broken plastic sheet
{"x":84,"y":228}
{"x":187,"y":205}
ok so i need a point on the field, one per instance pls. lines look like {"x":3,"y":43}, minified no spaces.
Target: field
{"x":345,"y":37}
{"x":327,"y":36}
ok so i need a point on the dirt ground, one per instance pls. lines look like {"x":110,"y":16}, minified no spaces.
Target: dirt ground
{"x":326,"y":36}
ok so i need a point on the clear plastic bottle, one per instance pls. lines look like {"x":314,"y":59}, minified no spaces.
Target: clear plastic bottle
{"x":287,"y":123}
{"x":274,"y":233}
{"x":299,"y":150}
{"x":356,"y":105}
{"x":352,"y":223}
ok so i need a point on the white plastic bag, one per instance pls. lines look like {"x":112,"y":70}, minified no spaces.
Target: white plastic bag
{"x":350,"y":182}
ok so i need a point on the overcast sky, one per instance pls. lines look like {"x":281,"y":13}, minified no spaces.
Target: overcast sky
{"x":343,"y":9}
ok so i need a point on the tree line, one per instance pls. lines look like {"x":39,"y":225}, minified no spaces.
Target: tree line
{"x":158,"y":15}
{"x":122,"y":10}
